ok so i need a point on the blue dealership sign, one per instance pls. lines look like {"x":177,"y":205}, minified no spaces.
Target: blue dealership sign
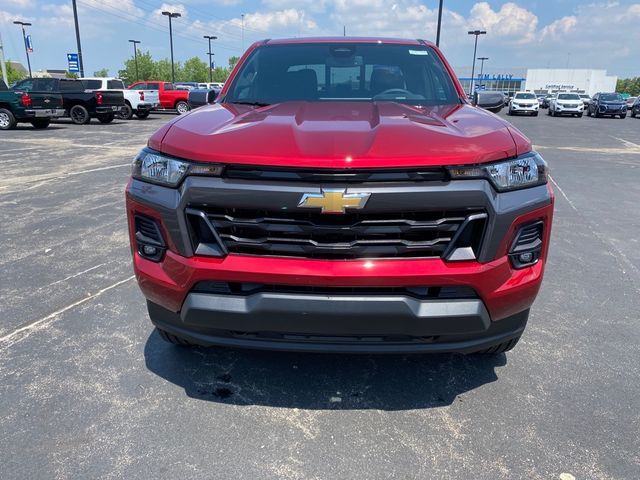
{"x":29,"y":43}
{"x":74,"y":64}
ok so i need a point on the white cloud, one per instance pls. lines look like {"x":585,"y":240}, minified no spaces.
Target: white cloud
{"x":19,"y":3}
{"x":559,"y":27}
{"x":511,"y":21}
{"x":171,"y":7}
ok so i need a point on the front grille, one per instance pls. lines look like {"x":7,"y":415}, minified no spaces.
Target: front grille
{"x":322,"y":236}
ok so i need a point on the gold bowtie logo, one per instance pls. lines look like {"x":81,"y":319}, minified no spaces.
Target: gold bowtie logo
{"x":334,"y":200}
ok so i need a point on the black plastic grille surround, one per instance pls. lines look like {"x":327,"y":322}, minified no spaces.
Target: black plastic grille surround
{"x":420,"y":234}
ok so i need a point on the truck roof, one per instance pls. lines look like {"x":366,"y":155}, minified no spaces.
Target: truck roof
{"x":395,"y":41}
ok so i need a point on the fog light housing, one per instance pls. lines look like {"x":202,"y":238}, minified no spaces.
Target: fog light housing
{"x":526,"y":248}
{"x":149,"y":241}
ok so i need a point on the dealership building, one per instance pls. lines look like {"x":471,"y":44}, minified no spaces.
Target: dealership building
{"x":538,"y":80}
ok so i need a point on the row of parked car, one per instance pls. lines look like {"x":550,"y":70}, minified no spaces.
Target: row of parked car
{"x":38,"y":101}
{"x":574,"y":104}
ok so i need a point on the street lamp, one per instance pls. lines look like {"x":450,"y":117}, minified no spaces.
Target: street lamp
{"x":477,"y":33}
{"x":135,"y":55}
{"x":439,"y":24}
{"x":171,"y":15}
{"x":482,"y":59}
{"x":24,"y":39}
{"x":210,"y":37}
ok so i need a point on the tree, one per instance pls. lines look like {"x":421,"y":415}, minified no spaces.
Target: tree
{"x":13,"y":75}
{"x":232,"y":62}
{"x":103,"y":72}
{"x":194,"y":70}
{"x":629,"y":85}
{"x":163,"y":70}
{"x":220,"y":74}
{"x":146,"y":68}
{"x":71,"y":75}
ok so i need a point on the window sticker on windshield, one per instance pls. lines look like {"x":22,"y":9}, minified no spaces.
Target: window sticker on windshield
{"x":418,"y":52}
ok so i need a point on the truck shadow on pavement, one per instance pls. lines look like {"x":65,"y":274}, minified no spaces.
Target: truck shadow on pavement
{"x":320,"y":382}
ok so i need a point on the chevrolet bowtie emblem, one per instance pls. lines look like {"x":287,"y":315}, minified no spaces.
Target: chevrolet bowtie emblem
{"x":334,"y":200}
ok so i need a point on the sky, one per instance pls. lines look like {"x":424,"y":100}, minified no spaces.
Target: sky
{"x":520,"y":34}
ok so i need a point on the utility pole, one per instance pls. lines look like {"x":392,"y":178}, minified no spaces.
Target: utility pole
{"x":439,"y":24}
{"x":24,"y":39}
{"x":482,"y":59}
{"x":135,"y":56}
{"x":210,"y":37}
{"x":477,"y":33}
{"x":75,"y":19}
{"x":344,"y":30}
{"x":3,"y":64}
{"x":171,"y":15}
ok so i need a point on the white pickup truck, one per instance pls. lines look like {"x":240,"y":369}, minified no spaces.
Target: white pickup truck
{"x":140,"y":102}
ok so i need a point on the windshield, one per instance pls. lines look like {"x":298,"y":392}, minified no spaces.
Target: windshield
{"x":568,"y":96}
{"x":611,"y":97}
{"x":335,"y":72}
{"x":525,"y":96}
{"x":585,"y":96}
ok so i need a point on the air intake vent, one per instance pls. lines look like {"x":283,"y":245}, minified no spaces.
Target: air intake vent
{"x":527,"y":246}
{"x":147,"y":231}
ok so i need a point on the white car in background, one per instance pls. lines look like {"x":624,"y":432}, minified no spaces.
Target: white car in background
{"x":524,"y":102}
{"x":565,"y":103}
{"x":136,"y":101}
{"x":216,"y":85}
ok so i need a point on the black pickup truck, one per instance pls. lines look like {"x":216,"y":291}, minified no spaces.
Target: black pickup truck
{"x":21,"y":107}
{"x":79,"y":104}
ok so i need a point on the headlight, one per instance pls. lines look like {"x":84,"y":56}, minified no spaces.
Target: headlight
{"x":525,"y":171}
{"x":152,"y":166}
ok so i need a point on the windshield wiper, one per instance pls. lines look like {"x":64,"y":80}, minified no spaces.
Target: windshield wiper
{"x":255,"y":104}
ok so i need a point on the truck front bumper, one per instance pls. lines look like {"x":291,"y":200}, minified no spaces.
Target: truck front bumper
{"x":339,"y":305}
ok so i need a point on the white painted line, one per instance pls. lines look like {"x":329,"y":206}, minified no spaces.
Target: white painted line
{"x":33,"y":325}
{"x":627,"y":143}
{"x":73,"y":276}
{"x":562,"y":193}
{"x":99,"y":169}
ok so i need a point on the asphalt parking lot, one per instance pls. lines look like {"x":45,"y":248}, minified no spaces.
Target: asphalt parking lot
{"x":88,"y":390}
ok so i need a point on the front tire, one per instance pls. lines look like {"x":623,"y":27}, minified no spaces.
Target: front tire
{"x":173,"y":339}
{"x":182,"y":107}
{"x":499,"y":348}
{"x":79,"y":115}
{"x":142,"y":114}
{"x":7,"y":120}
{"x":106,"y":117}
{"x":41,"y":123}
{"x":535,"y":114}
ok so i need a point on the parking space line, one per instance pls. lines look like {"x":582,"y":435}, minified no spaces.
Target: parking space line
{"x":563,"y":194}
{"x":4,"y":341}
{"x":73,"y":276}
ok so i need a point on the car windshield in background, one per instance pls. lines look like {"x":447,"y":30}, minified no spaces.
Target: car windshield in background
{"x":525,"y":96}
{"x":410,"y":74}
{"x":611,"y":97}
{"x":568,"y":96}
{"x":585,"y":96}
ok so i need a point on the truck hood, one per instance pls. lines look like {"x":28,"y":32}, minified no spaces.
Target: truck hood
{"x":340,"y":135}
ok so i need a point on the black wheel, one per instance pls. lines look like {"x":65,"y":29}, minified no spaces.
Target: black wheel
{"x":579,"y":115}
{"x":79,"y":115}
{"x":499,"y":348}
{"x":41,"y":123}
{"x":173,"y":339}
{"x":182,"y":107}
{"x":597,"y":113}
{"x":142,"y":114}
{"x":549,"y":112}
{"x":623,"y":116}
{"x":633,"y":114}
{"x":7,"y":120}
{"x":126,"y":113}
{"x":106,"y":117}
{"x":535,"y":114}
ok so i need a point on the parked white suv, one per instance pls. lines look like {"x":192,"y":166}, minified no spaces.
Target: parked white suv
{"x":564,"y":103}
{"x":524,"y":102}
{"x":140,"y":102}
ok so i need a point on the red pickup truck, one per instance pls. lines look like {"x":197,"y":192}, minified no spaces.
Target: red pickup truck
{"x":342,"y":195}
{"x":170,"y":97}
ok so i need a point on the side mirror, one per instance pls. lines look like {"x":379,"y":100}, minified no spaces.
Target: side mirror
{"x":492,"y":101}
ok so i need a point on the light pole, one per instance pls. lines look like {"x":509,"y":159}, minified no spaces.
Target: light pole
{"x":477,"y":33}
{"x":171,"y":15}
{"x":135,"y":56}
{"x":24,"y":39}
{"x":242,"y":16}
{"x":439,"y":24}
{"x":75,"y":20}
{"x":210,"y":37}
{"x":482,"y":59}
